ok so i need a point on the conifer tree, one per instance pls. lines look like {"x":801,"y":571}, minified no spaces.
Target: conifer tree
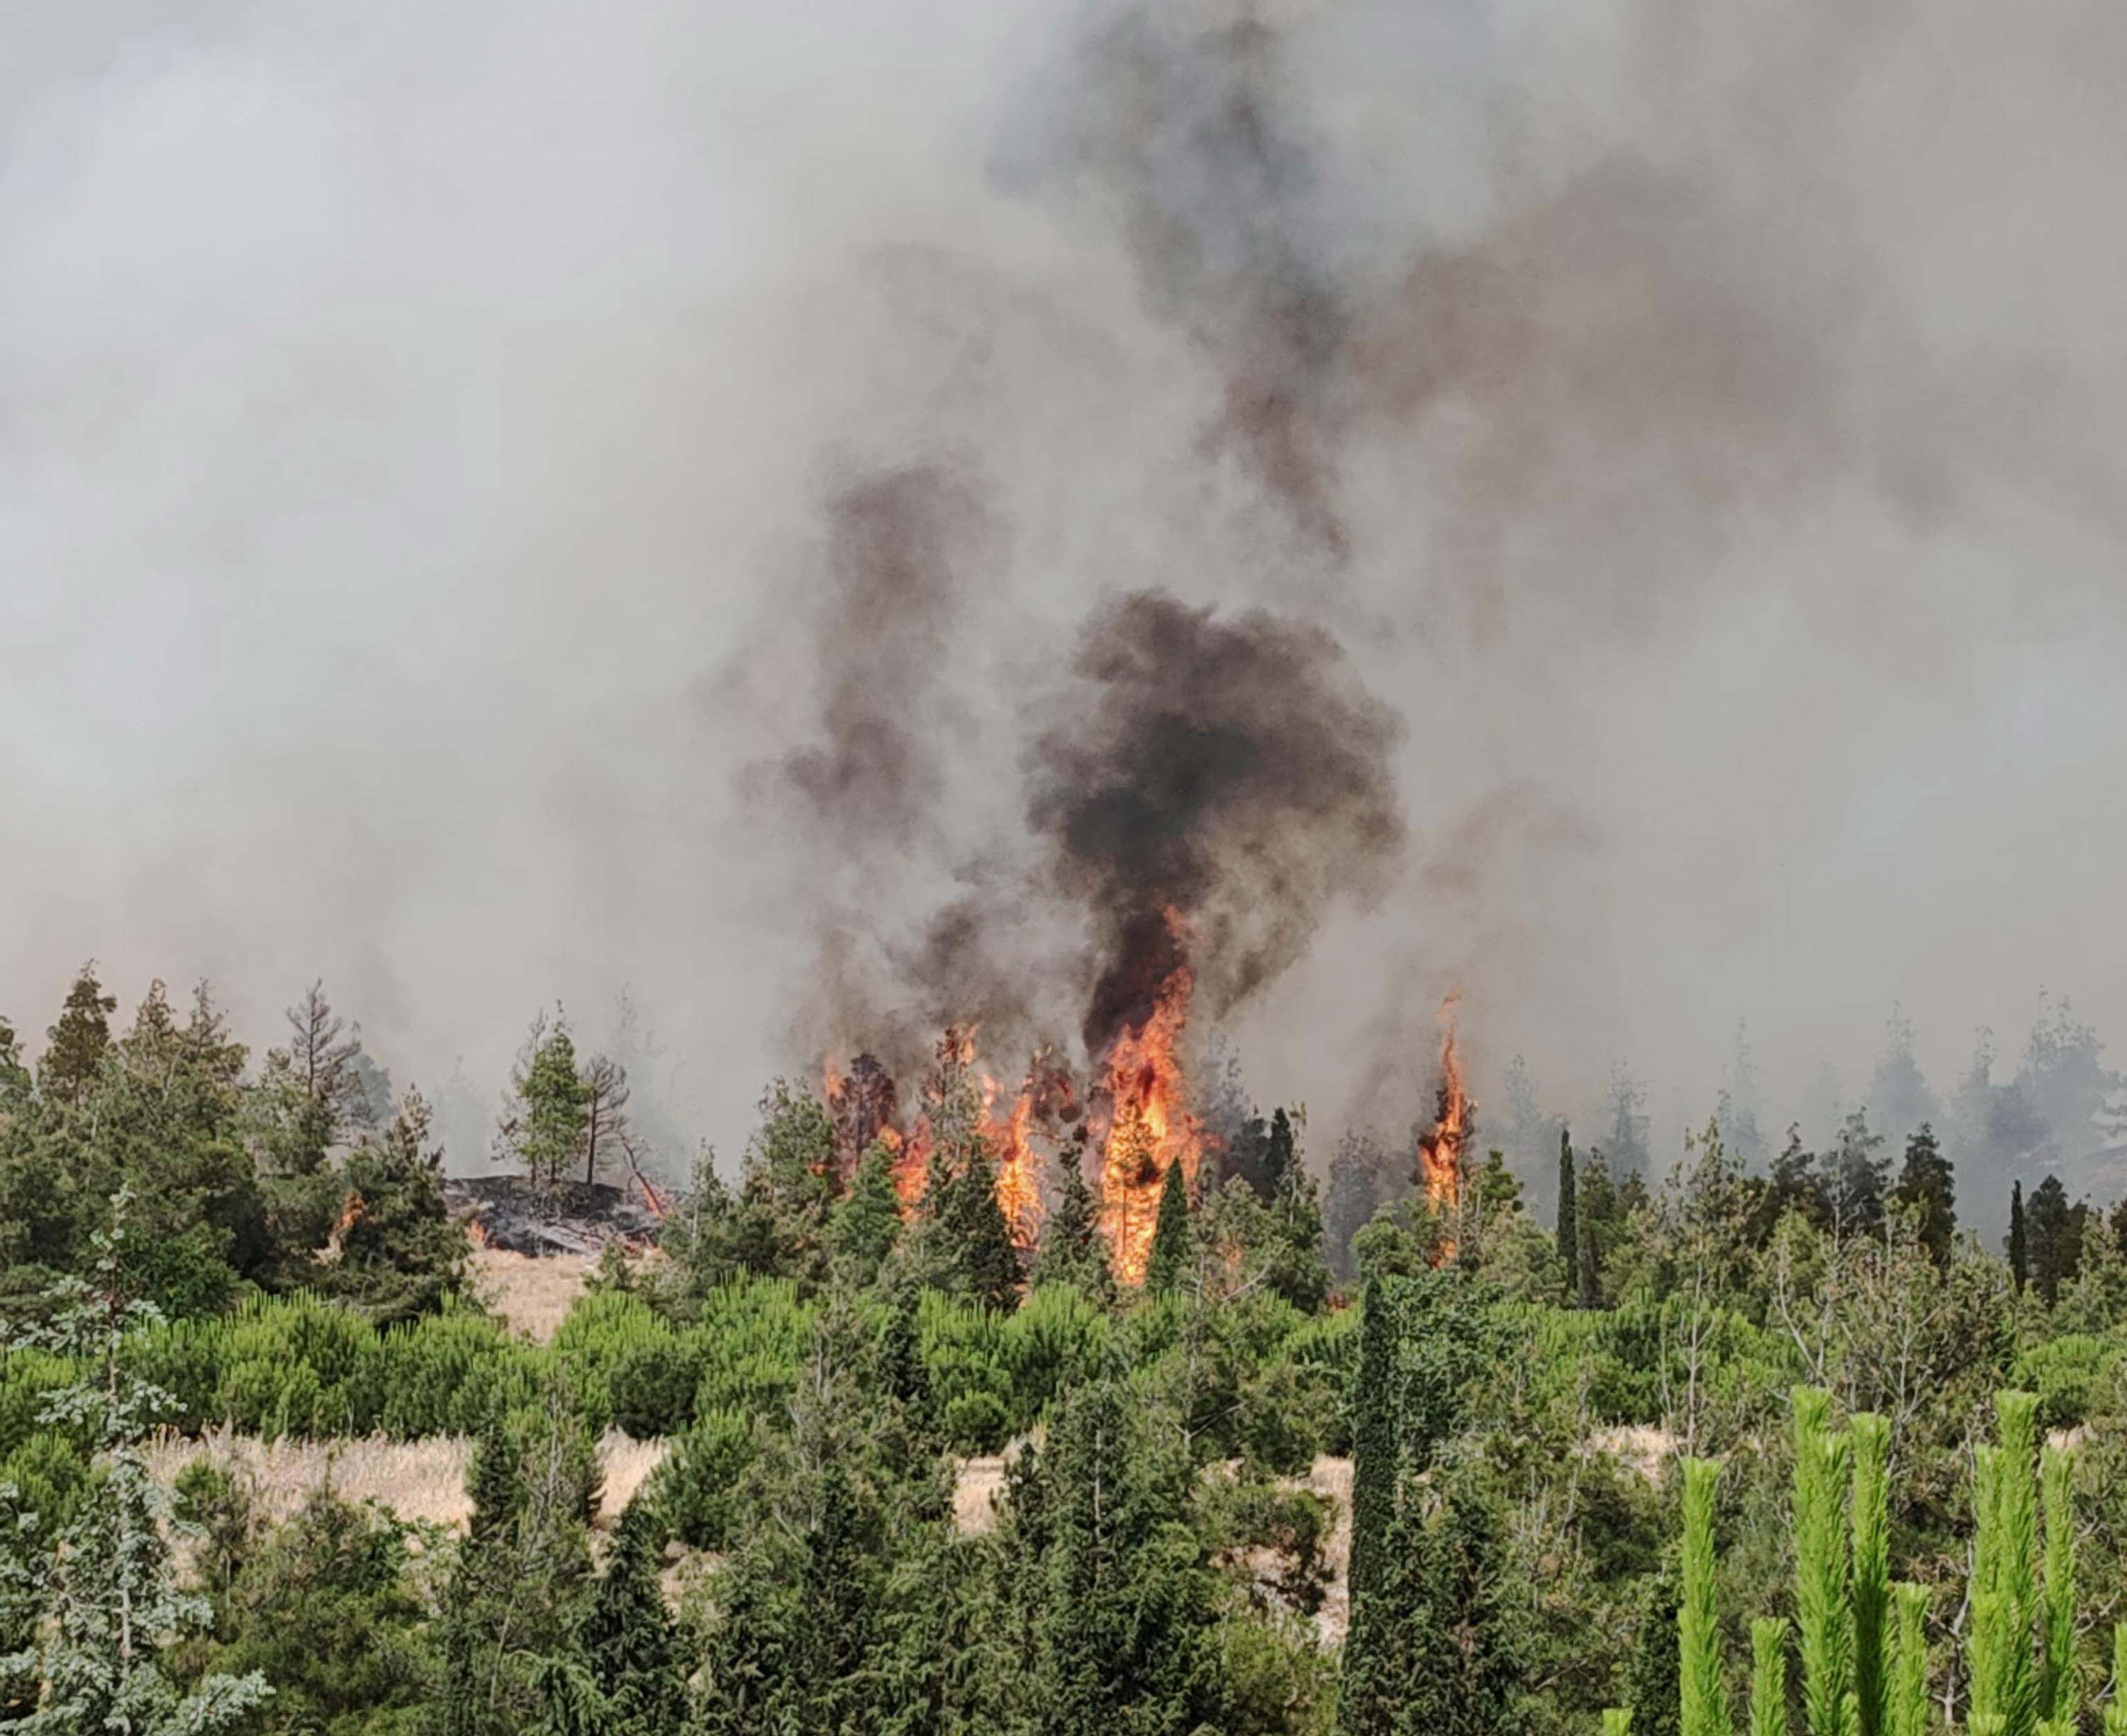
{"x":1908,"y":1700}
{"x":970,"y":1241}
{"x":2058,"y":1698}
{"x":1768,"y":1676}
{"x":1822,"y":1601}
{"x":1173,"y":1253}
{"x":75,"y":1046}
{"x":629,"y":1644}
{"x":2019,"y":1263}
{"x":2115,"y":1710}
{"x":1072,"y":1250}
{"x":2004,"y":1595}
{"x":1361,"y":1708}
{"x":1927,"y":1189}
{"x":1872,"y":1567}
{"x":1279,"y":1154}
{"x":1568,"y":1221}
{"x":866,"y":1224}
{"x":1703,"y":1695}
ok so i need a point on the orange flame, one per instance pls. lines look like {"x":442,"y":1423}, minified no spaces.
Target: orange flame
{"x":1018,"y":1164}
{"x":1150,"y":1128}
{"x":1440,"y":1152}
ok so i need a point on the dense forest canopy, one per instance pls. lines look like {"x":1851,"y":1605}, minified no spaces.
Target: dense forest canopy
{"x":1358,"y":1448}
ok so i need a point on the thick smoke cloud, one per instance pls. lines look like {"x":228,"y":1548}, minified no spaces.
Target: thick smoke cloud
{"x":1232,"y":773}
{"x":423,"y":441}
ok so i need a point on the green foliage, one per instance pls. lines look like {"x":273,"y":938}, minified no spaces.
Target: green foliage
{"x":1173,"y":1249}
{"x":1703,"y":1695}
{"x":1769,"y":1676}
{"x":1871,"y":1519}
{"x":1822,"y":1592}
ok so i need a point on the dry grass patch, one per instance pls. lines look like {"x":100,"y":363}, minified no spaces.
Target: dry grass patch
{"x":422,"y":1481}
{"x":533,"y":1296}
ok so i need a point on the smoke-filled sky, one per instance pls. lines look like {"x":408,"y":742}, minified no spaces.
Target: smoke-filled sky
{"x":503,"y":502}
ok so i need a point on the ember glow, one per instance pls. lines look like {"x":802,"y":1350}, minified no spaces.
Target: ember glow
{"x":1440,"y":1152}
{"x":1150,"y":1126}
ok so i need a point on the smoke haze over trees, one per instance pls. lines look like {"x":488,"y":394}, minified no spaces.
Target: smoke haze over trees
{"x":447,"y":461}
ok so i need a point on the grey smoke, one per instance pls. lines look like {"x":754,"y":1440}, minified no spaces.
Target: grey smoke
{"x":1700,"y":428}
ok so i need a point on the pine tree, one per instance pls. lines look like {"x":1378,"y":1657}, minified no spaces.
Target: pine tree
{"x":2059,"y":1696}
{"x":630,"y":1645}
{"x":76,"y":1045}
{"x":1871,"y":1436}
{"x":1174,"y":1252}
{"x":2019,"y":1260}
{"x":866,"y":1224}
{"x":968,"y":1235}
{"x":542,"y":1130}
{"x":2115,"y":1711}
{"x":1927,"y":1190}
{"x":1769,"y":1676}
{"x":1072,"y":1250}
{"x":1703,"y":1694}
{"x":1569,"y":1222}
{"x":1822,"y":1597}
{"x":2004,"y":1595}
{"x":1909,"y":1677}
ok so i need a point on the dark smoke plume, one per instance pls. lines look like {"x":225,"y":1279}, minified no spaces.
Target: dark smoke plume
{"x":1234,"y":771}
{"x":1190,"y":127}
{"x":899,"y":545}
{"x":902,"y":545}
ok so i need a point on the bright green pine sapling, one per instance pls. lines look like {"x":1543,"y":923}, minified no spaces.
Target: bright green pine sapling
{"x":2115,"y":1713}
{"x":1768,"y":1676}
{"x":2057,"y":1696}
{"x":1703,"y":1695}
{"x":1823,"y":1592}
{"x":1907,"y":1701}
{"x":1872,"y":1566}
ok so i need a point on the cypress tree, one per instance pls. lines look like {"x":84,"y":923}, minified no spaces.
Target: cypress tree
{"x":1703,"y":1696}
{"x":1363,"y":1705}
{"x":1568,"y":1223}
{"x":1823,"y":1600}
{"x":1171,"y":1255}
{"x":1872,"y":1567}
{"x":1769,"y":1676}
{"x":1908,"y":1701}
{"x":1279,"y":1154}
{"x":2020,"y":1261}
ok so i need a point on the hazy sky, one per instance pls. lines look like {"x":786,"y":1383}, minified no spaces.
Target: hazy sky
{"x":1706,"y":431}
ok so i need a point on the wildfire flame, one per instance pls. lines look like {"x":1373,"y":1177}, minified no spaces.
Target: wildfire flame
{"x":1150,"y":1128}
{"x":1018,"y":1164}
{"x":1440,"y":1152}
